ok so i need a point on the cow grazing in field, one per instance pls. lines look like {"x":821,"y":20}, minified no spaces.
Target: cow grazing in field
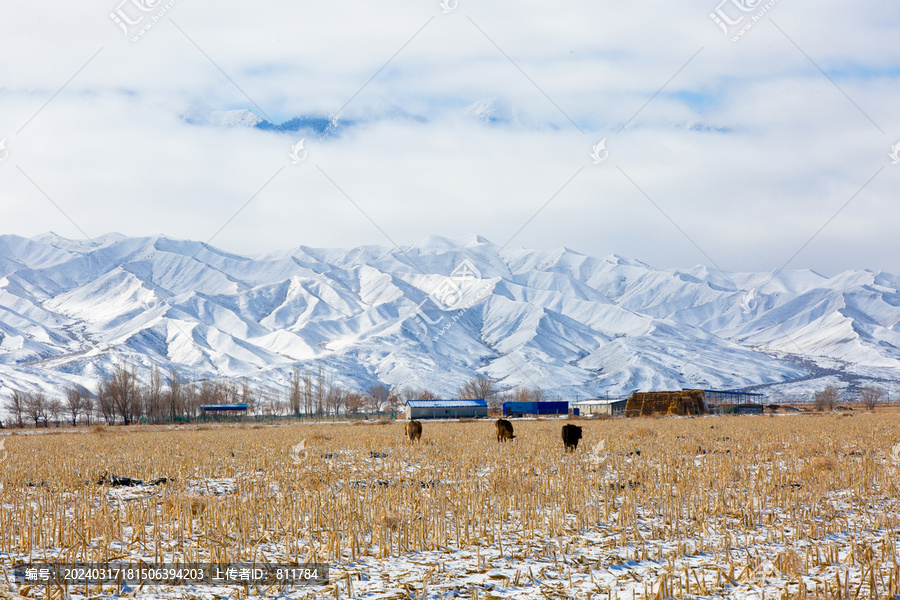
{"x":570,"y":435}
{"x":504,"y":430}
{"x":414,"y":431}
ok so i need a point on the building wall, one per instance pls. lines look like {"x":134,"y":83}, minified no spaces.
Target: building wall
{"x":536,"y":408}
{"x":610,"y":408}
{"x":463,"y":412}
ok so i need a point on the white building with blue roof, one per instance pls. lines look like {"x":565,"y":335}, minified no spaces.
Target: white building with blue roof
{"x":446,"y":409}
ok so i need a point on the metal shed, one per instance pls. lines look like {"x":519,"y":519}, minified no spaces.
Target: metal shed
{"x":218,"y":412}
{"x":224,"y":408}
{"x":601,"y":406}
{"x":445,"y":409}
{"x":518,"y":409}
{"x":726,"y":399}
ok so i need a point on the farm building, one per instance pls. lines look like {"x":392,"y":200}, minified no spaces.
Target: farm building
{"x":216,"y":411}
{"x":600,"y":406}
{"x":518,"y":409}
{"x":682,"y":402}
{"x":723,"y":399}
{"x":692,"y":402}
{"x":445,"y":409}
{"x":230,"y":409}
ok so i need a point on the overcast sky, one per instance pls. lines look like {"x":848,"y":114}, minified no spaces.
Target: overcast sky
{"x":743,"y":152}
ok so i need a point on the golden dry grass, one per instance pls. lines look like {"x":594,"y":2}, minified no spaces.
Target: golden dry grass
{"x":821,"y":489}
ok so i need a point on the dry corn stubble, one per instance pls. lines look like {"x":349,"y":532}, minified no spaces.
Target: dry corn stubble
{"x":804,"y":497}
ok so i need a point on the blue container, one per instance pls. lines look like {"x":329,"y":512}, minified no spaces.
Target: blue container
{"x":519,"y":409}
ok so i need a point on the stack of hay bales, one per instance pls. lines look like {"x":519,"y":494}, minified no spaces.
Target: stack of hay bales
{"x":684,"y":402}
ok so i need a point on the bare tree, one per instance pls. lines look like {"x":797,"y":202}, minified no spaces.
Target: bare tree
{"x":827,"y":399}
{"x":76,"y":402}
{"x":377,"y":396}
{"x":336,"y":399}
{"x":280,"y":406}
{"x":90,"y":407}
{"x":153,"y":397}
{"x":407,"y":394}
{"x":174,"y":398}
{"x":36,"y":407}
{"x":394,"y":402}
{"x":125,"y":394}
{"x":207,"y":393}
{"x":354,"y":402}
{"x":478,"y":388}
{"x":192,"y":401}
{"x":871,"y":396}
{"x":320,"y":392}
{"x":481,"y":388}
{"x":54,"y":410}
{"x":307,"y":393}
{"x":229,"y":392}
{"x":105,"y":402}
{"x":267,"y":405}
{"x":294,"y":395}
{"x":248,"y":396}
{"x":15,"y":404}
{"x":522,"y":394}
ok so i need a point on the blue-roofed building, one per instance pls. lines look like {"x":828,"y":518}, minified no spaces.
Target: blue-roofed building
{"x":218,"y":412}
{"x":446,"y":409}
{"x":224,"y":408}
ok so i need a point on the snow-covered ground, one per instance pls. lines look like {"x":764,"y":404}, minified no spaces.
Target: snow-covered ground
{"x":717,"y":507}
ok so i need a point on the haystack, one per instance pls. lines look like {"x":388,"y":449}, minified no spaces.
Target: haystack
{"x":684,"y":402}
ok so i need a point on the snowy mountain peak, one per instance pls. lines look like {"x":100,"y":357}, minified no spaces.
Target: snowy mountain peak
{"x":234,"y":118}
{"x":433,"y":314}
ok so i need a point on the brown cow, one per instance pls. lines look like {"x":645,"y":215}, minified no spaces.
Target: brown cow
{"x":414,"y":430}
{"x":570,"y":435}
{"x":504,"y":430}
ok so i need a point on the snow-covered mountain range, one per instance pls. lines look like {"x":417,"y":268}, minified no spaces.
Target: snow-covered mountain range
{"x":433,"y":315}
{"x":491,"y":111}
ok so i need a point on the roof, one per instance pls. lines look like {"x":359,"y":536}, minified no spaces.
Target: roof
{"x":599,"y":401}
{"x":733,"y":392}
{"x":446,"y":403}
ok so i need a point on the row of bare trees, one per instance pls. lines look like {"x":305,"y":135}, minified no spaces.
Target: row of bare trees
{"x":829,"y":398}
{"x":122,"y":398}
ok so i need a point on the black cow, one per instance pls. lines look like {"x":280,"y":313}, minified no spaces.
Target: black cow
{"x":504,"y":430}
{"x":570,"y":435}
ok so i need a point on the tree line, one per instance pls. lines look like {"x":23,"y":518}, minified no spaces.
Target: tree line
{"x":828,"y":399}
{"x":121,"y":397}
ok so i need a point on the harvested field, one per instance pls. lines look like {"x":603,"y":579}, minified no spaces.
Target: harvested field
{"x":781,"y":507}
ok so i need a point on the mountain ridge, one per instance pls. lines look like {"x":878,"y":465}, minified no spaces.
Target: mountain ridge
{"x":432,"y":315}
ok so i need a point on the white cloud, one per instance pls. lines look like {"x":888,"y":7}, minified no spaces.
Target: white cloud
{"x":750,"y":149}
